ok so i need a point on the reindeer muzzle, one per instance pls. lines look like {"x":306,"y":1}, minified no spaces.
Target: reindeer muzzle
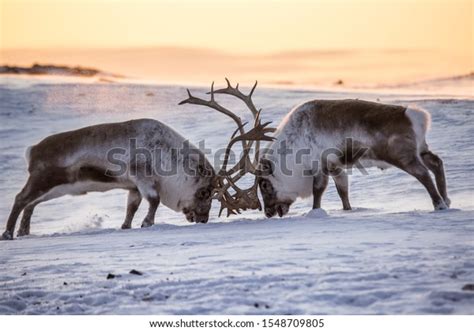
{"x":281,"y":209}
{"x":193,"y":217}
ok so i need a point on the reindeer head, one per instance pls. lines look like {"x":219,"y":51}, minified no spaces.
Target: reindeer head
{"x":225,"y":189}
{"x":196,"y":208}
{"x":273,"y":200}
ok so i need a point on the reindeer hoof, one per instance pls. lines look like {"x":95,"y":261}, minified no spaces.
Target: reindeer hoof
{"x":448,"y":202}
{"x":7,"y":236}
{"x":22,"y":232}
{"x":441,"y":206}
{"x":126,"y":226}
{"x":146,"y":224}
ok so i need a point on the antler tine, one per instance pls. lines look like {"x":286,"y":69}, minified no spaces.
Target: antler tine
{"x":236,"y":130}
{"x":212,"y":91}
{"x":212,"y":104}
{"x":227,"y":203}
{"x":253,"y":89}
{"x":257,"y":133}
{"x":190,"y":96}
{"x":234,"y":91}
{"x":257,"y":143}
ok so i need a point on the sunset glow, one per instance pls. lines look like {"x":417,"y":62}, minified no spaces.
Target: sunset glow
{"x":238,"y":28}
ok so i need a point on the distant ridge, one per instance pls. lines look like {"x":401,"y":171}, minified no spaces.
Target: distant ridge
{"x":469,"y":77}
{"x":457,"y":77}
{"x":50,"y":69}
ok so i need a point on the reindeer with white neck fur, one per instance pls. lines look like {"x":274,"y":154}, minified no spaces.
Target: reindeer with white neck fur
{"x":379,"y":135}
{"x":79,"y":161}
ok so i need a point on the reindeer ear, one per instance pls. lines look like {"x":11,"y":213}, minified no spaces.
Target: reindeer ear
{"x":265,"y":167}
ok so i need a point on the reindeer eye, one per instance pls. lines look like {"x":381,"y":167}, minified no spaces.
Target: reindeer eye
{"x":266,"y":167}
{"x":203,"y":171}
{"x":203,"y":194}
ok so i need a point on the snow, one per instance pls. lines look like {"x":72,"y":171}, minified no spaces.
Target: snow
{"x":317,"y":213}
{"x":391,"y":255}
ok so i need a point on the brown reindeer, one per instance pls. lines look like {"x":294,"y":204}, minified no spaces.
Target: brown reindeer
{"x":379,"y":135}
{"x":79,"y":161}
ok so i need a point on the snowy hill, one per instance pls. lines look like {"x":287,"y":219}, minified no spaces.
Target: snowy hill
{"x":392,"y":254}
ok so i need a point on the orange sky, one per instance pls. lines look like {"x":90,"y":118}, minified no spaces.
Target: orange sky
{"x":239,"y":26}
{"x":357,"y":40}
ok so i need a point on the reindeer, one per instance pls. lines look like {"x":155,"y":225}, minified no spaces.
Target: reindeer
{"x":379,"y":135}
{"x":80,"y":161}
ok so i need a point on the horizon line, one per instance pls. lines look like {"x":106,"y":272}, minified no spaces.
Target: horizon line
{"x":287,"y":51}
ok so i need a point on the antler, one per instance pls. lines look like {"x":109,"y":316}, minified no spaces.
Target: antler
{"x":241,"y":199}
{"x":213,"y":104}
{"x":247,"y":99}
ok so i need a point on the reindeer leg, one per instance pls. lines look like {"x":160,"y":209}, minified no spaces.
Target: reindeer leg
{"x":150,"y":191}
{"x":18,"y":206}
{"x":24,"y":229}
{"x":34,"y":188}
{"x":133,"y":202}
{"x":342,"y":186}
{"x":153,"y":203}
{"x":435,"y":164}
{"x":320,"y":183}
{"x":418,"y":170}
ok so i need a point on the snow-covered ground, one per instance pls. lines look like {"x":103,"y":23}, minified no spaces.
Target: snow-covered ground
{"x":392,"y":254}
